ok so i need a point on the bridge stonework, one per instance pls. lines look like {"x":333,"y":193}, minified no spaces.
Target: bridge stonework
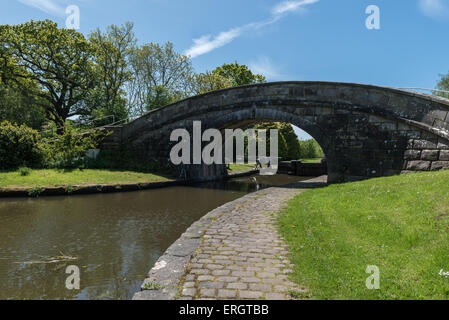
{"x":365,"y":131}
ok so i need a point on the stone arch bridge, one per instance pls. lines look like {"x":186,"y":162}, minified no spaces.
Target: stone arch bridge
{"x":365,"y":131}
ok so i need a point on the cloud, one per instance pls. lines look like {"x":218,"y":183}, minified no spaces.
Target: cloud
{"x":436,"y":9}
{"x":48,"y":6}
{"x":264,"y":66}
{"x":288,"y":6}
{"x":208,"y":43}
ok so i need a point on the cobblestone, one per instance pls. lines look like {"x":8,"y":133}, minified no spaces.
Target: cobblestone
{"x":242,"y":255}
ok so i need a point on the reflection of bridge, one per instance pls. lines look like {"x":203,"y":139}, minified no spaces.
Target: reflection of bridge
{"x":365,"y":131}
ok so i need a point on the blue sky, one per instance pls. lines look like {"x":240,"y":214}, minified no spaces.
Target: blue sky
{"x":284,"y":40}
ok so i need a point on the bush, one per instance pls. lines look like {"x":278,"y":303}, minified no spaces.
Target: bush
{"x":68,"y":151}
{"x":24,"y":171}
{"x":18,"y":146}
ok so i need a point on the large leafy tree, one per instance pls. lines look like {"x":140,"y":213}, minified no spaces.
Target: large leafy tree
{"x":161,"y":76}
{"x":58,"y":60}
{"x":112,"y":49}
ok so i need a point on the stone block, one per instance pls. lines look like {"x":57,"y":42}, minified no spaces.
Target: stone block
{"x":444,"y":155}
{"x":412,"y":155}
{"x":425,"y":144}
{"x":418,"y":165}
{"x":440,"y":165}
{"x":430,"y":155}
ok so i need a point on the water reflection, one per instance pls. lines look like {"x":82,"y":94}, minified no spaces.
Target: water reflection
{"x":116,"y":238}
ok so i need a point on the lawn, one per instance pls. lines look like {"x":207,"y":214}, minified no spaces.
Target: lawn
{"x":312,"y":160}
{"x":399,"y":224}
{"x":47,"y":178}
{"x":241,"y":167}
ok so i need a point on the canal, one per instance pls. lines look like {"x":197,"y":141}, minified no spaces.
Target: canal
{"x":114,"y":239}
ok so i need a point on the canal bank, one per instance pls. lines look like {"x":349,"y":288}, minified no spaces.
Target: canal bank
{"x":69,"y":190}
{"x":233,"y":252}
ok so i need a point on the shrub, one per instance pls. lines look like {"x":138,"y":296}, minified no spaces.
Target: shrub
{"x":18,"y":146}
{"x":68,"y":150}
{"x":24,"y":171}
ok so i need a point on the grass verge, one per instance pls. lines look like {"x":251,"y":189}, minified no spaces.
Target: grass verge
{"x":312,"y":160}
{"x":241,"y":167}
{"x":399,"y":224}
{"x":50,"y":177}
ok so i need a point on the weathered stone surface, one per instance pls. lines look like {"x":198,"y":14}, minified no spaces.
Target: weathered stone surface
{"x":412,"y":155}
{"x":440,"y":165}
{"x":444,"y":155}
{"x":431,"y":155}
{"x":365,"y":131}
{"x":419,"y":165}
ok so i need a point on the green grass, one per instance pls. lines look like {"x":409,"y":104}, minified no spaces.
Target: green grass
{"x":241,"y":167}
{"x":47,"y":178}
{"x":312,"y":160}
{"x":400,"y":224}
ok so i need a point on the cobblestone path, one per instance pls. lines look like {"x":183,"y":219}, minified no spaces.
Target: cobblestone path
{"x":241,"y":255}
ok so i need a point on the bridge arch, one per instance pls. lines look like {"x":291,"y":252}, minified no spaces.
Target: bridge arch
{"x":366,"y":131}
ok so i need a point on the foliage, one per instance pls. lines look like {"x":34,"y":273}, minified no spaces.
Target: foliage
{"x":69,"y":149}
{"x":19,"y":107}
{"x":443,"y":84}
{"x":238,"y":74}
{"x":310,"y":149}
{"x":18,"y":146}
{"x":210,"y":81}
{"x":293,"y":151}
{"x":160,"y":75}
{"x":112,"y":49}
{"x":24,"y":171}
{"x":58,"y":60}
{"x":288,"y":147}
{"x":399,"y":224}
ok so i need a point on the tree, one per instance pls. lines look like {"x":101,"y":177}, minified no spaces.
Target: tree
{"x":112,"y":49}
{"x":226,"y":76}
{"x":291,"y":140}
{"x":239,"y":74}
{"x":19,"y":108}
{"x":210,"y":81}
{"x":58,"y":60}
{"x":443,"y":84}
{"x":161,"y":76}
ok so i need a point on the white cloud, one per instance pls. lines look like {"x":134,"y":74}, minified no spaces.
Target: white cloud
{"x":48,"y":6}
{"x":264,"y":66}
{"x":288,"y":6}
{"x":435,"y":8}
{"x":207,"y":43}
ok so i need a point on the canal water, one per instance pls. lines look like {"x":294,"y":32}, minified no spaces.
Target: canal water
{"x":114,"y":239}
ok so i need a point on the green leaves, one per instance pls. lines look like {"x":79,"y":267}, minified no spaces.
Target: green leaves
{"x":58,"y":60}
{"x":18,"y":146}
{"x":239,"y":74}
